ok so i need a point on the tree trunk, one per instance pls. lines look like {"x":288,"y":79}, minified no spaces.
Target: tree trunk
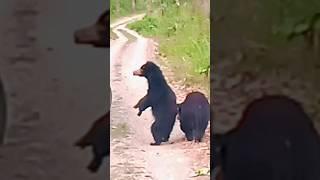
{"x":149,"y":7}
{"x":118,"y":7}
{"x":162,"y":7}
{"x":133,"y":6}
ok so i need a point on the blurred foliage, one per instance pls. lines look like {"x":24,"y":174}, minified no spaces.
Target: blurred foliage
{"x":184,"y":35}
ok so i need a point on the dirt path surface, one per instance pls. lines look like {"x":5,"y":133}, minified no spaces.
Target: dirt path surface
{"x":131,"y":155}
{"x":55,"y":88}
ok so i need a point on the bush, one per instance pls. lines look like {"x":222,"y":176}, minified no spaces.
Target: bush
{"x":147,"y":26}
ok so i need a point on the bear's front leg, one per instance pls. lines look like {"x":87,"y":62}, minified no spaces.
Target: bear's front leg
{"x":142,"y":104}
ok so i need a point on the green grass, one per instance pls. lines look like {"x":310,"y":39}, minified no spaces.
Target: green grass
{"x":184,"y":38}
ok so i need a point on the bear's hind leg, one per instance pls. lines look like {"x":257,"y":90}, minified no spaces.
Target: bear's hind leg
{"x":156,"y":135}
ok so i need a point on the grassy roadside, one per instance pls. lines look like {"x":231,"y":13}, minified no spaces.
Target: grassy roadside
{"x":184,"y":41}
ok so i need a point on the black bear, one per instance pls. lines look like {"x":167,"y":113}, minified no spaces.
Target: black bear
{"x":194,"y":115}
{"x":99,"y":138}
{"x":96,"y":34}
{"x":161,"y":99}
{"x":275,"y":139}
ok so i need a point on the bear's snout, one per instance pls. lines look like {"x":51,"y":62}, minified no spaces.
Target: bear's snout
{"x":138,"y":72}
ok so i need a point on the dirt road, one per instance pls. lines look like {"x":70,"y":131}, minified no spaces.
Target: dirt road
{"x":131,"y":155}
{"x":55,"y":88}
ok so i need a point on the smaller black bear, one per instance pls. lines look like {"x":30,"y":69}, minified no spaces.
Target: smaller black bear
{"x":161,"y":99}
{"x":98,"y":137}
{"x":194,"y":115}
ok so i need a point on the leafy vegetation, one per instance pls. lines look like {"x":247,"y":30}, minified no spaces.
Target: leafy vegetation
{"x":148,"y":26}
{"x":125,"y":7}
{"x":184,"y":38}
{"x":274,"y":34}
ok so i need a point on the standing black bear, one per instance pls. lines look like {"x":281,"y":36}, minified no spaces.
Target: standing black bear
{"x":99,"y":138}
{"x":194,"y":115}
{"x":161,"y":99}
{"x":274,"y":140}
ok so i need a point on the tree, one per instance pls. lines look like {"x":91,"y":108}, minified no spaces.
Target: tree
{"x":133,"y":3}
{"x":118,"y":7}
{"x":149,"y":7}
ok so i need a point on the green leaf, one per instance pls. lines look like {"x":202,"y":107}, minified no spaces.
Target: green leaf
{"x":301,"y":27}
{"x":317,"y":24}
